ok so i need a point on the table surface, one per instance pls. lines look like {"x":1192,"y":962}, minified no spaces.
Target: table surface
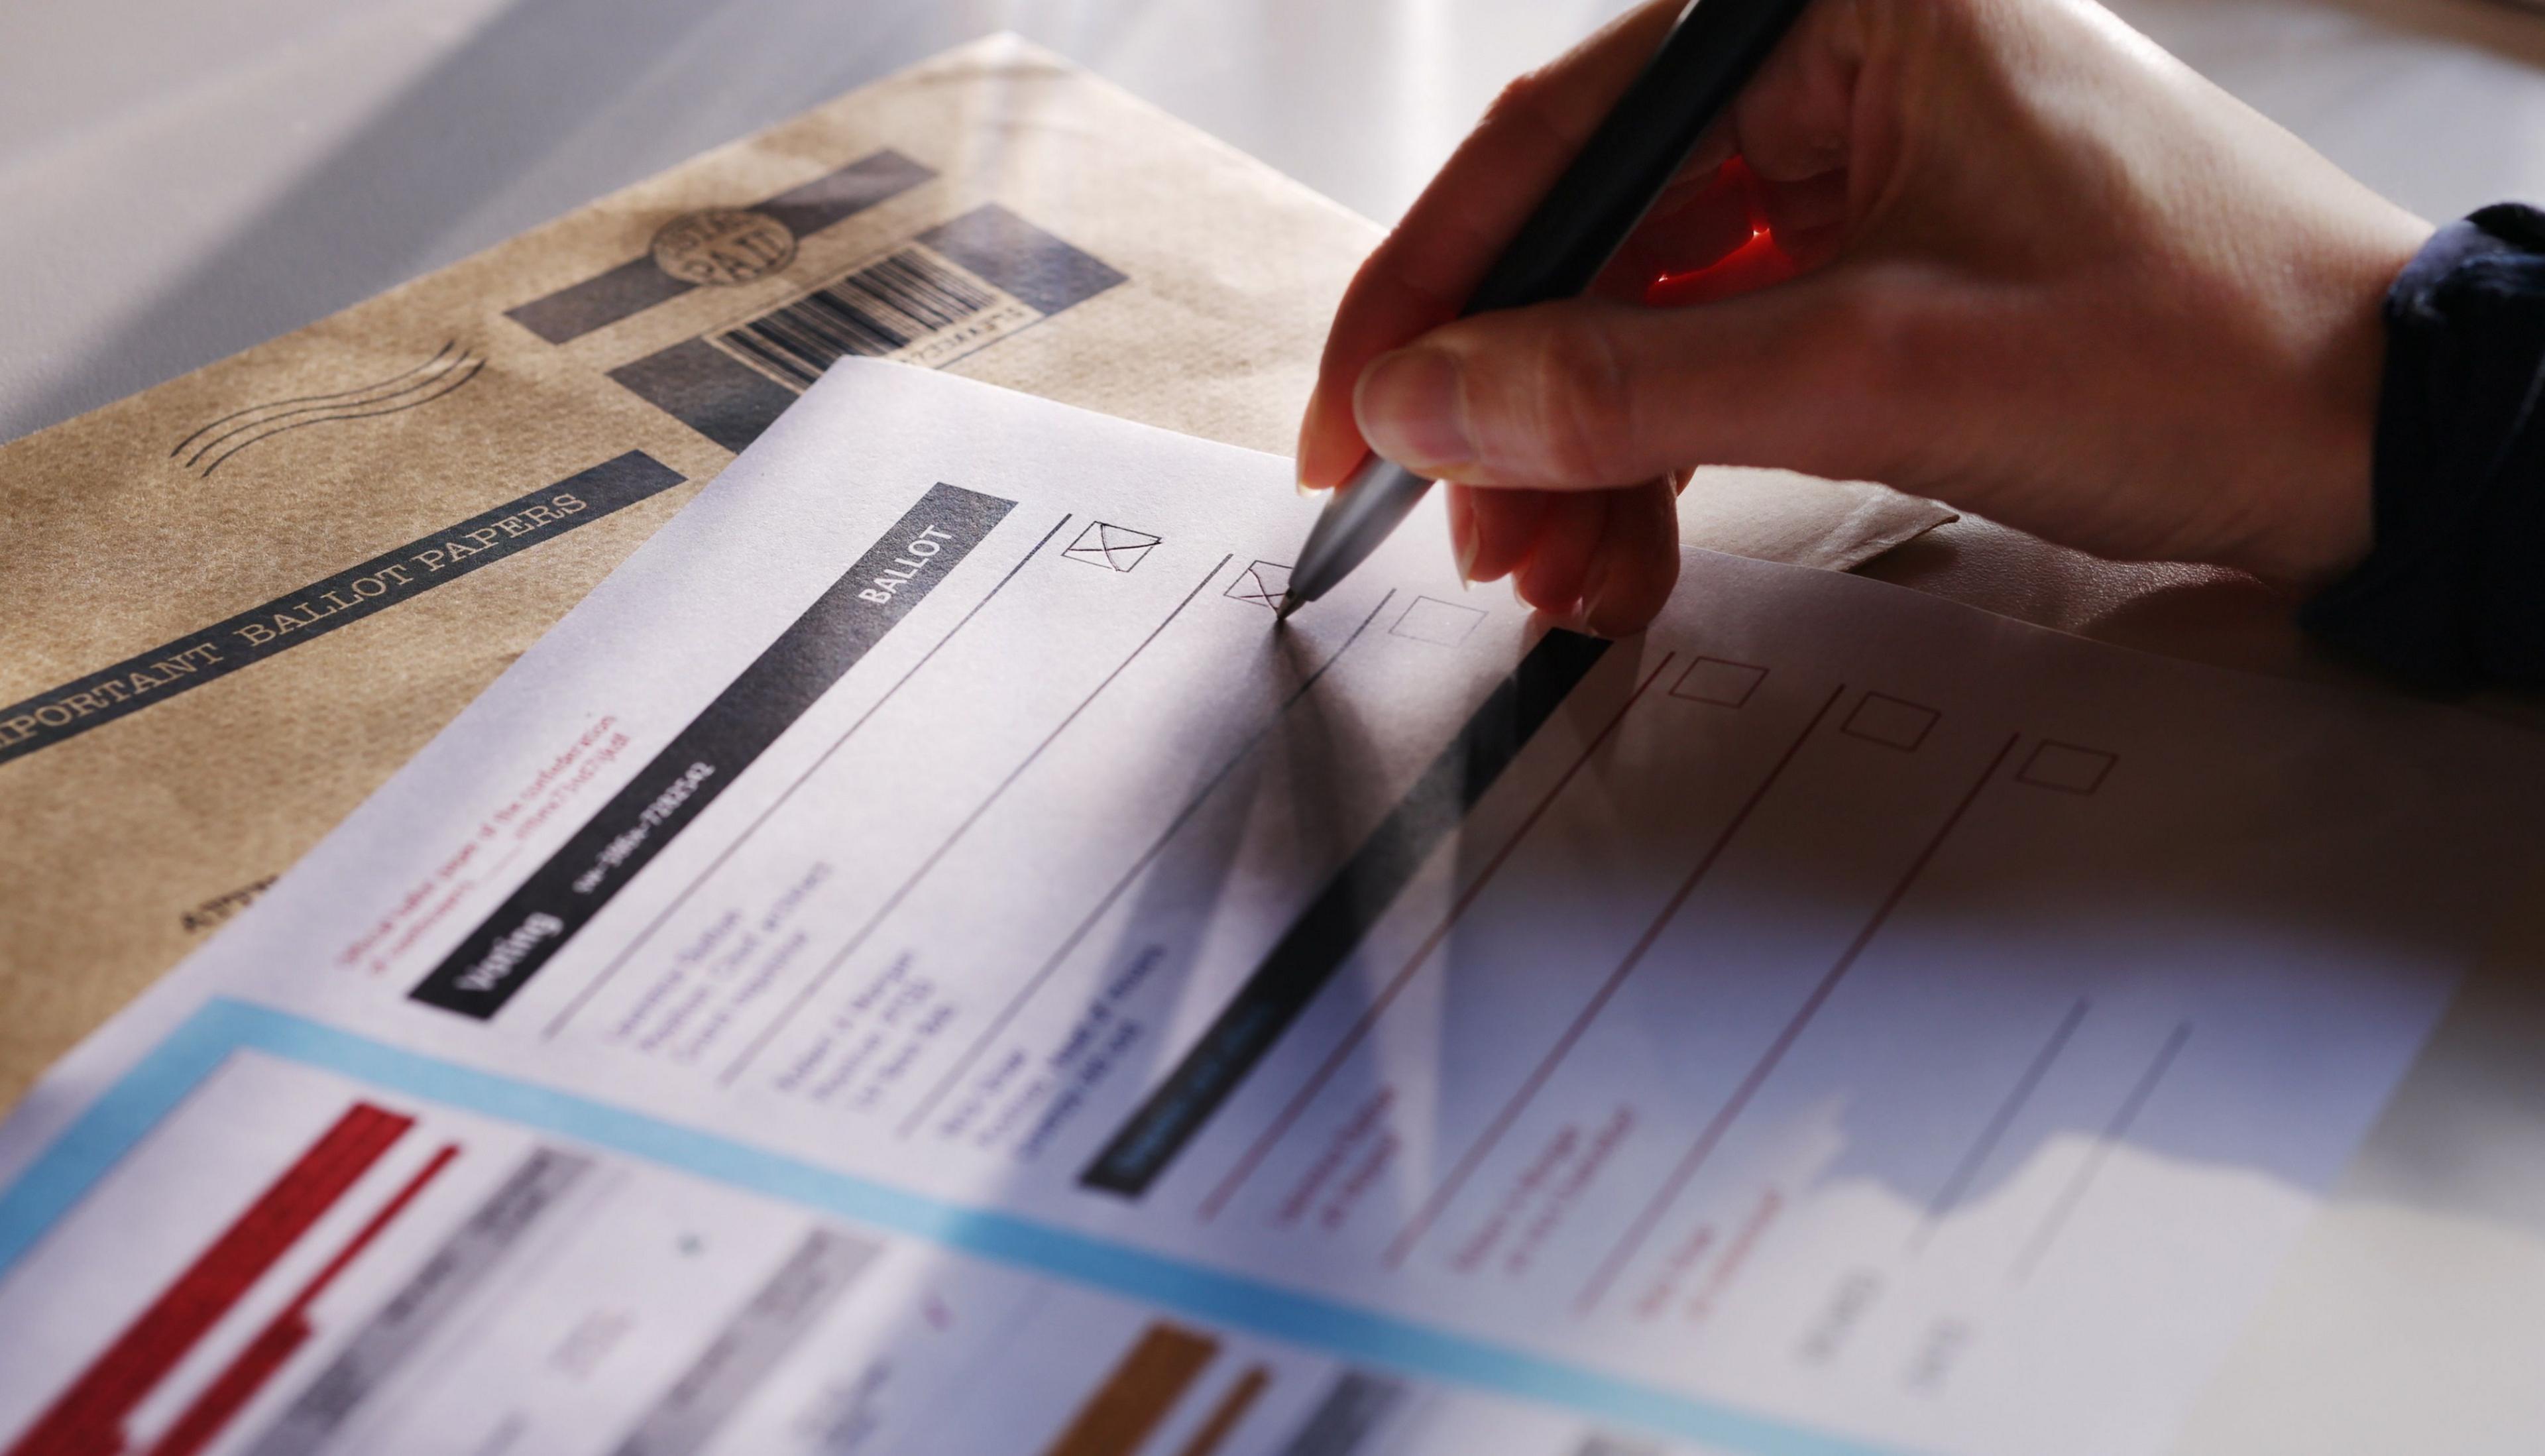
{"x":185,"y":181}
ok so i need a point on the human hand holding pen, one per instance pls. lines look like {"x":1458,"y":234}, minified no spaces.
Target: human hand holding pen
{"x":2045,"y":274}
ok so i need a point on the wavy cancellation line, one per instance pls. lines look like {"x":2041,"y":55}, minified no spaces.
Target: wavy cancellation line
{"x":451,"y":366}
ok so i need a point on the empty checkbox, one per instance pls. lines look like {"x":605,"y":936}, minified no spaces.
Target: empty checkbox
{"x":2067,"y":767}
{"x":1430,"y":619}
{"x":1893,"y":722}
{"x":1719,"y":680}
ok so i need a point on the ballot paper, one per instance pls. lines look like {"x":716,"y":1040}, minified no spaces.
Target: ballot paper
{"x":918,"y":961}
{"x":233,"y":605}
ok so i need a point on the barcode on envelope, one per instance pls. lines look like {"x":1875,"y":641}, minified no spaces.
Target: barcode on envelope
{"x":910,"y":304}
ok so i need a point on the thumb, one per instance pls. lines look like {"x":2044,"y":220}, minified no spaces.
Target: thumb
{"x":1589,"y":393}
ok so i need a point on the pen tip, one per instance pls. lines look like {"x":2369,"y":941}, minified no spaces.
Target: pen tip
{"x":1290,"y":603}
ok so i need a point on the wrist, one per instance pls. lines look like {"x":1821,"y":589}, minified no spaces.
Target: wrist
{"x":2321,"y":520}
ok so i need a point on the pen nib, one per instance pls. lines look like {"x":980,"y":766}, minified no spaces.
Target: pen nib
{"x":1290,"y":603}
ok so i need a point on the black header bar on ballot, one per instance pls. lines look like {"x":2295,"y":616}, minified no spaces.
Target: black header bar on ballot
{"x":669,"y":793}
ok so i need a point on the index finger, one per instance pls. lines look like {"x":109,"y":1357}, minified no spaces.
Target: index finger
{"x":1419,"y":277}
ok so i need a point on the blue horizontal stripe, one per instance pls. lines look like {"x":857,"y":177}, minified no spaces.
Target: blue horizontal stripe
{"x":146,"y":1094}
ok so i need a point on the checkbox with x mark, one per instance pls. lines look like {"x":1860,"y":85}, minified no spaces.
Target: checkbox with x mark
{"x":1113,"y":547}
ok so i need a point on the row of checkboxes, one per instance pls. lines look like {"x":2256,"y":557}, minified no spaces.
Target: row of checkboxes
{"x":1897,"y":723}
{"x":1877,"y":718}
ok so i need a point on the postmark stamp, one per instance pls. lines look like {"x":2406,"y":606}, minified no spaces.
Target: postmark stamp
{"x":723,"y":245}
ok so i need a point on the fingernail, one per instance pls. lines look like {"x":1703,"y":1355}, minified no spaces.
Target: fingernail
{"x":1300,"y":453}
{"x":1407,"y":403}
{"x":1464,"y":541}
{"x":1587,"y":615}
{"x":1587,"y":611}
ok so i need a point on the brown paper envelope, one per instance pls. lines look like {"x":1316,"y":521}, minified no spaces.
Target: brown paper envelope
{"x":231,"y":605}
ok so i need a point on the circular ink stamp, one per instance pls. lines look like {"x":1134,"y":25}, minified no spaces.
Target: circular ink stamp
{"x":723,"y":245}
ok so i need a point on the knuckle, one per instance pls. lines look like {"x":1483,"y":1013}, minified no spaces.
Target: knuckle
{"x":1523,"y":119}
{"x":1519,"y":101}
{"x":1890,"y":348}
{"x":1587,"y":419}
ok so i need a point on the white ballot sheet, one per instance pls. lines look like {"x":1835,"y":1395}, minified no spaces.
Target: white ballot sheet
{"x":916,"y":963}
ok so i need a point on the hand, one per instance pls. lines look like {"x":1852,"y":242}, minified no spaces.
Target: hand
{"x":2020,"y":260}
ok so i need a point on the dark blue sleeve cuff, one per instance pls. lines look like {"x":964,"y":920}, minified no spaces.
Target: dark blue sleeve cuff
{"x":2452,"y":594}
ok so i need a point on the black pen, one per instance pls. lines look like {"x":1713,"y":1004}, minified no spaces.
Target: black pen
{"x":1710,"y":53}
